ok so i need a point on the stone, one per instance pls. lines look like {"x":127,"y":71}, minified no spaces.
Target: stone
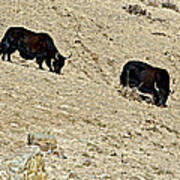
{"x":25,"y":164}
{"x":44,"y":141}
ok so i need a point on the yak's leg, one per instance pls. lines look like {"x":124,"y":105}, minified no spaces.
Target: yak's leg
{"x":9,"y":57}
{"x":39,"y":62}
{"x":1,"y":50}
{"x":4,"y":56}
{"x":156,"y":98}
{"x":48,"y":63}
{"x":9,"y":52}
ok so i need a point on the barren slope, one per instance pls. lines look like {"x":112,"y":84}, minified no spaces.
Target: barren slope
{"x":103,"y":134}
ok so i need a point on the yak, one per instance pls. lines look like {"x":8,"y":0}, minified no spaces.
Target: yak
{"x":32,"y":45}
{"x":147,"y":79}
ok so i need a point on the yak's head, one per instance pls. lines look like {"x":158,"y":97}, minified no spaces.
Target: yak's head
{"x":59,"y":62}
{"x":162,"y":96}
{"x":162,"y":88}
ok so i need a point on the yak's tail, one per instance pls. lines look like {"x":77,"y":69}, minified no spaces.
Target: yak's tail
{"x":124,"y":77}
{"x":0,"y":47}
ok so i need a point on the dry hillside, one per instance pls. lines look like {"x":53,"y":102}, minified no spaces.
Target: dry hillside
{"x":102,"y":134}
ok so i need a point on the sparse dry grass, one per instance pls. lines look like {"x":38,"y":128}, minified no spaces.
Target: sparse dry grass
{"x":101,"y":133}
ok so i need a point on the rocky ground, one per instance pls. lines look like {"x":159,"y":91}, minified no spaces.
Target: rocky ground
{"x":100,"y":133}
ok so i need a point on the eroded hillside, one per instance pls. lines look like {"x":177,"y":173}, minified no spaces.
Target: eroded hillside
{"x":102,"y":134}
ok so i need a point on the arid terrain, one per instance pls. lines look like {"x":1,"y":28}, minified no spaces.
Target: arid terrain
{"x":101,"y":134}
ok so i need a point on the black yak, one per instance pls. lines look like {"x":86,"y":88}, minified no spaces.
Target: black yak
{"x":32,"y":45}
{"x":147,"y":79}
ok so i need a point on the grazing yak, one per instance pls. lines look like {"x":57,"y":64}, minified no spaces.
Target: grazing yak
{"x":32,"y":45}
{"x":147,"y":79}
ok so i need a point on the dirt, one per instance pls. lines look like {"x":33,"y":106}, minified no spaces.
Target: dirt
{"x":102,"y":134}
